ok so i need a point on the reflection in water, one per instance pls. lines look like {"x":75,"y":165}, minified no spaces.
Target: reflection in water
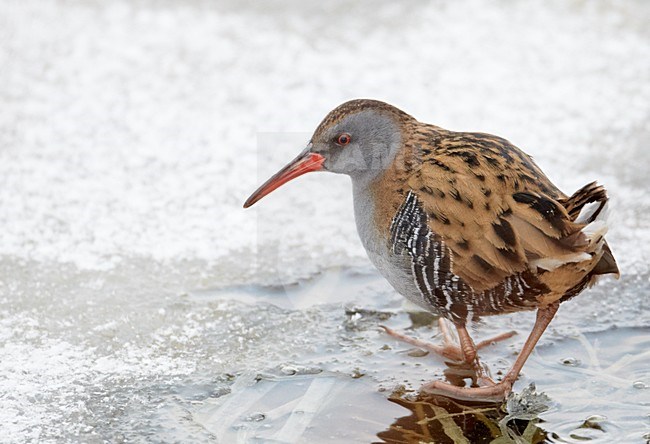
{"x":437,"y":419}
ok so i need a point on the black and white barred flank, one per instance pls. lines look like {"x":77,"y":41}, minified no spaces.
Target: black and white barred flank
{"x":432,"y":269}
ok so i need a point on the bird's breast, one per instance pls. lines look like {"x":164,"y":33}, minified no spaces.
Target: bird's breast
{"x":375,"y":237}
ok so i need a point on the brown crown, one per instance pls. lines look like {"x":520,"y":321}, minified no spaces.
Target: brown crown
{"x":358,"y":105}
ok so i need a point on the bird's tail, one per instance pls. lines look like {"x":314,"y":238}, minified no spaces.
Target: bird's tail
{"x":588,"y":206}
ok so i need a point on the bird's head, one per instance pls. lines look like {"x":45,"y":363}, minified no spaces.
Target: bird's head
{"x":359,"y":138}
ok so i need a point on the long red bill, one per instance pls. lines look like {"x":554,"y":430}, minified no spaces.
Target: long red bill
{"x":304,"y":163}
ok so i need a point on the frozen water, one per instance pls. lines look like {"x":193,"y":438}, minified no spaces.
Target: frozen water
{"x":134,"y":290}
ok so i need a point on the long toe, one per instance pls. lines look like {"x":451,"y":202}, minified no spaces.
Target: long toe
{"x":495,"y":339}
{"x":493,"y":393}
{"x":448,"y":351}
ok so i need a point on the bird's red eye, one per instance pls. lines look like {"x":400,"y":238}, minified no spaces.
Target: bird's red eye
{"x":343,"y":139}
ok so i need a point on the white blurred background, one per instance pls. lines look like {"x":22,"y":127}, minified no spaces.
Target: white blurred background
{"x":132,"y":132}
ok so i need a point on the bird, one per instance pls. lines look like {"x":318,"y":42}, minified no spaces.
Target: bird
{"x":463,"y":224}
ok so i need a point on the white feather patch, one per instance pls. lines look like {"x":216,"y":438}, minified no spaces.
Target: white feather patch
{"x":551,"y":263}
{"x":597,"y":229}
{"x":587,"y":212}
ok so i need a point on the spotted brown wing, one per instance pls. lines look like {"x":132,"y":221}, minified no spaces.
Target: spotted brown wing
{"x":493,"y":208}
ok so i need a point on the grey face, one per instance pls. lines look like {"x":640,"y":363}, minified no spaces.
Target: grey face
{"x":360,"y":145}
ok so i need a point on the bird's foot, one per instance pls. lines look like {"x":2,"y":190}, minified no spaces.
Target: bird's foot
{"x":448,"y":349}
{"x":495,"y":339}
{"x":462,"y":373}
{"x":492,"y":392}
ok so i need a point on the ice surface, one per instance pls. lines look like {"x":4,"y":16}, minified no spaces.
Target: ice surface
{"x":132,"y":132}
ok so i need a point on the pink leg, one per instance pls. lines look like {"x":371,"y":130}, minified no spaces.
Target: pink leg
{"x":467,"y":346}
{"x":499,"y":391}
